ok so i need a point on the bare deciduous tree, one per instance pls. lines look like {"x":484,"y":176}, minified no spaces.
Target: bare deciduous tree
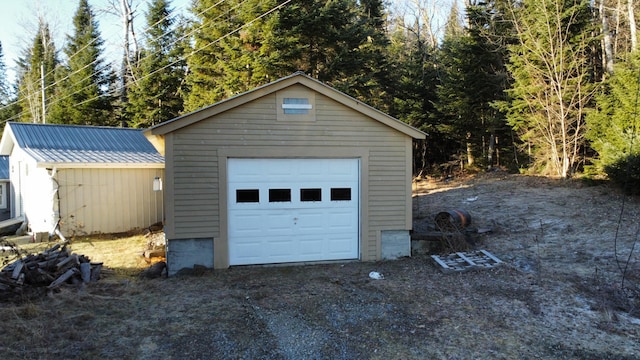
{"x":632,"y":24}
{"x":606,"y":39}
{"x":551,"y":67}
{"x":428,"y":17}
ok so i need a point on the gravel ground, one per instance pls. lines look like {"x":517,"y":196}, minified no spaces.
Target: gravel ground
{"x":559,"y":295}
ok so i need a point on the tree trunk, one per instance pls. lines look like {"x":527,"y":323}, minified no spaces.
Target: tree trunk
{"x":632,"y":25}
{"x":492,"y":146}
{"x":606,"y":34}
{"x":126,"y":71}
{"x":470,"y":158}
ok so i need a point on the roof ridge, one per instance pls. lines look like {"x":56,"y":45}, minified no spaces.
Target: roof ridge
{"x":14,"y":123}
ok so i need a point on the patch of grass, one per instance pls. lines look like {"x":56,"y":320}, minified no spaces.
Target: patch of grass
{"x":124,"y":255}
{"x":34,"y":248}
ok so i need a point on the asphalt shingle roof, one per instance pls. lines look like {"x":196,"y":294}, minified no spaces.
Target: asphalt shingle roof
{"x":50,"y":143}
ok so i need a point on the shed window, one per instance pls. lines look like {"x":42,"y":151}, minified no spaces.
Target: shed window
{"x":310,"y":194}
{"x":3,"y":195}
{"x":247,"y":195}
{"x":340,"y":194}
{"x":279,"y":195}
{"x":296,"y":106}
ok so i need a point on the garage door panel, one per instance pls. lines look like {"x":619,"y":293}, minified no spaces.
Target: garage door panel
{"x":279,"y":223}
{"x":311,"y":220}
{"x":252,"y":222}
{"x":293,"y":227}
{"x":311,"y":245}
{"x":342,"y":222}
{"x":282,"y":248}
{"x":310,"y":227}
{"x":341,"y":172}
{"x":246,"y":253}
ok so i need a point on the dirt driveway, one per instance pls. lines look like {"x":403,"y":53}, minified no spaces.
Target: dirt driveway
{"x":559,"y":295}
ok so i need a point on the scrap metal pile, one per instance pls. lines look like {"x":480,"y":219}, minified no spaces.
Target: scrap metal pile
{"x":452,"y":226}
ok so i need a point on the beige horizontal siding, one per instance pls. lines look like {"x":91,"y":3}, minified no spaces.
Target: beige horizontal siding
{"x":195,"y":149}
{"x":107,"y":200}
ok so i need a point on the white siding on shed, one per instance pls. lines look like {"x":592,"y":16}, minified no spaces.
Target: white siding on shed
{"x":35,"y":193}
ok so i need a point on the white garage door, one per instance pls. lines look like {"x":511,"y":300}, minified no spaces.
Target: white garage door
{"x":292,"y":210}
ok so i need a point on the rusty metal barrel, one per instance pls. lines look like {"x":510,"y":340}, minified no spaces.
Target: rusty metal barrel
{"x":456,"y":218}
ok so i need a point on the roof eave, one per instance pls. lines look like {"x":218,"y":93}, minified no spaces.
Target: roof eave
{"x":7,"y":142}
{"x":366,"y":109}
{"x":66,"y":165}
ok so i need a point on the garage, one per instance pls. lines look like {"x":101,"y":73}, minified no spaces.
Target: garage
{"x":293,"y":171}
{"x":292,"y":210}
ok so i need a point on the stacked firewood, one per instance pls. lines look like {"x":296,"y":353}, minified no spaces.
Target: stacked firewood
{"x":50,"y":268}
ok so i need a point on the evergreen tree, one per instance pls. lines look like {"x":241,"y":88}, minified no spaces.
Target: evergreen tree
{"x":244,"y":44}
{"x":341,"y":43}
{"x":5,"y":90}
{"x":455,"y":99}
{"x":35,"y":68}
{"x":551,"y":66}
{"x":473,"y":78}
{"x":82,"y":93}
{"x":614,"y":125}
{"x":230,"y":55}
{"x":155,"y":93}
{"x":413,"y":66}
{"x":370,"y":79}
{"x":8,"y":104}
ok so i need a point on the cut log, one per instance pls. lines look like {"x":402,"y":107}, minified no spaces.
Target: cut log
{"x":50,"y":268}
{"x":154,"y":253}
{"x":17,"y":270}
{"x":7,"y":281}
{"x":62,"y":278}
{"x":96,"y":269}
{"x":85,"y":272}
{"x":57,"y":255}
{"x":47,"y":264}
{"x":52,"y":249}
{"x":48,"y":275}
{"x":155,"y":271}
{"x":70,"y":260}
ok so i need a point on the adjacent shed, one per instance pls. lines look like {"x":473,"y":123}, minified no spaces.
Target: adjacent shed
{"x":293,"y":171}
{"x":82,"y":179}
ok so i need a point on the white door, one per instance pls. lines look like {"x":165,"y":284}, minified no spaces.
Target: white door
{"x":292,"y":210}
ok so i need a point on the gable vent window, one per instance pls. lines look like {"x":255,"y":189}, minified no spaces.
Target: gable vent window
{"x":299,"y":106}
{"x":296,"y":104}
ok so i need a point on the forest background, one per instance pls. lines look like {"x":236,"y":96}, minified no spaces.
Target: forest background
{"x":539,"y":86}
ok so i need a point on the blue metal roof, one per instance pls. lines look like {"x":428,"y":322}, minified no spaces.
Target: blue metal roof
{"x":51,"y":143}
{"x":4,"y":167}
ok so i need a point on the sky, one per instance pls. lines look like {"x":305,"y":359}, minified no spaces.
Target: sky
{"x":19,"y":23}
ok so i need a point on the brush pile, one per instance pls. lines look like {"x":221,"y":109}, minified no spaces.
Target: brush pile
{"x":50,"y":268}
